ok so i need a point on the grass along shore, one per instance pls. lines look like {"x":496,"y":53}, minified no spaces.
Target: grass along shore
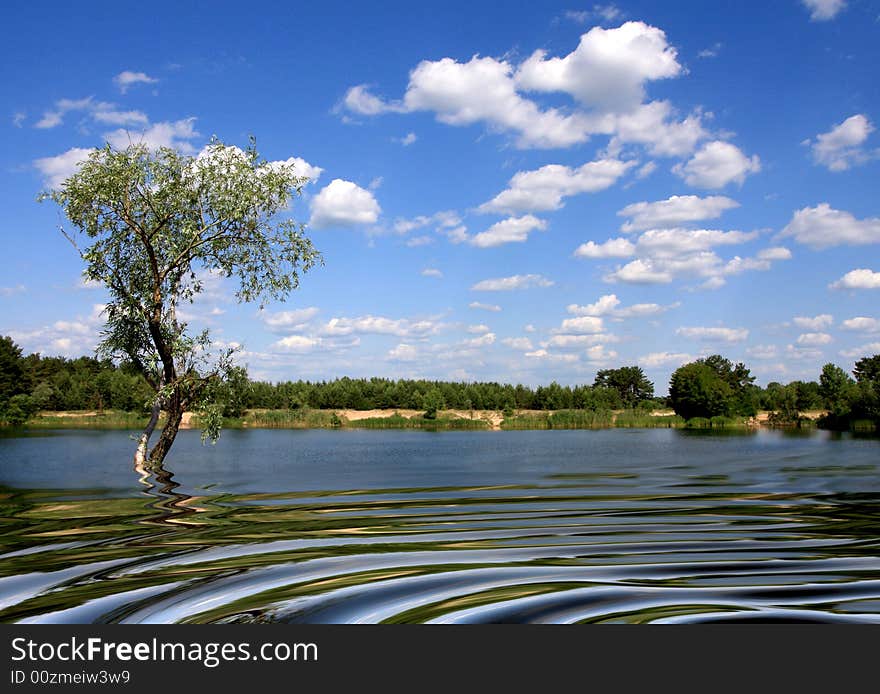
{"x":414,"y":419}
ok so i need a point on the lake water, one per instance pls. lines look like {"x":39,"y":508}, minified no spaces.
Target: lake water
{"x":614,"y":525}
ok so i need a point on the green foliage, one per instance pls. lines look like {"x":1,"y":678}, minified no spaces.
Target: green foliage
{"x":696,"y":390}
{"x":630,"y":383}
{"x":151,"y":225}
{"x":433,"y":402}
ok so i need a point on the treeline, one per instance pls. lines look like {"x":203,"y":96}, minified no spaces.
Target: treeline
{"x":706,"y":388}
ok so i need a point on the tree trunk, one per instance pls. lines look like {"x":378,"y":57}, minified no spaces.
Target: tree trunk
{"x":175,"y":410}
{"x":140,"y":454}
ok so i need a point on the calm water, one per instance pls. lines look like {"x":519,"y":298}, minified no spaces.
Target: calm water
{"x":408,"y":526}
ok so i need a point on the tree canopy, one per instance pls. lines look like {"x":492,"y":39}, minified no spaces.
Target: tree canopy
{"x":150,"y":225}
{"x":629,"y":381}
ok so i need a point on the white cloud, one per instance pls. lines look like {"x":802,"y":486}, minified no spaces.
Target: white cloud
{"x":716,"y":164}
{"x":608,"y":69}
{"x":646,"y":170}
{"x":612,"y":248}
{"x":380,"y":325}
{"x":408,"y":139}
{"x":442,"y":220}
{"x":403,"y":352}
{"x":640,"y":271}
{"x":676,"y":242}
{"x":823,"y":226}
{"x":814,"y":339}
{"x":606,"y":74}
{"x":290,"y":321}
{"x":12,"y":291}
{"x":582,"y":325}
{"x":296,"y":343}
{"x":823,"y":10}
{"x":820,"y":322}
{"x":301,"y":168}
{"x":544,"y":189}
{"x":520,"y":343}
{"x":711,"y":52}
{"x":530,"y":328}
{"x":481,"y":341}
{"x":763,"y":352}
{"x":57,"y":169}
{"x":359,"y":100}
{"x":343,"y":203}
{"x":478,"y":329}
{"x":603,"y":306}
{"x":432,"y":272}
{"x":862,"y":351}
{"x":678,"y":209}
{"x":417,"y":241}
{"x":70,"y":338}
{"x":656,"y":359}
{"x":493,"y":308}
{"x":861,"y":324}
{"x":599,"y":353}
{"x":18,"y":118}
{"x":111,"y":116}
{"x":510,"y":230}
{"x":861,"y":278}
{"x":578,"y":342}
{"x":774,"y":253}
{"x":503,"y":284}
{"x":544,"y":355}
{"x":125,"y":79}
{"x":714,"y":334}
{"x":52,"y":119}
{"x":840,"y":148}
{"x":483,"y":90}
{"x":173,"y":134}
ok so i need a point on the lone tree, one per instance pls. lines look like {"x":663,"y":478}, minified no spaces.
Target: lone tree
{"x":150,"y":226}
{"x":712,"y":386}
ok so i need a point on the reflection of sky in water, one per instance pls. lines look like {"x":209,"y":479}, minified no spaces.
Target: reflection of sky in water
{"x":284,"y":460}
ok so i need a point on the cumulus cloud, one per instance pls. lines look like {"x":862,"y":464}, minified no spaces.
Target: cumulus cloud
{"x":343,"y":204}
{"x":57,"y":169}
{"x":380,"y":325}
{"x":656,"y":359}
{"x":173,"y":134}
{"x":128,"y":78}
{"x":403,"y":352}
{"x":295,"y":320}
{"x":814,"y":339}
{"x":301,"y":168}
{"x":544,"y":355}
{"x":716,"y":164}
{"x":581,"y":325}
{"x":861,"y":324}
{"x":841,"y":147}
{"x":606,"y":75}
{"x":714,"y":334}
{"x":444,"y":219}
{"x":432,"y":272}
{"x":478,"y":329}
{"x":479,"y":306}
{"x":612,"y":248}
{"x":823,"y":10}
{"x":815,"y":323}
{"x":544,"y":189}
{"x":297,"y":343}
{"x":823,"y":226}
{"x":609,"y":305}
{"x":609,"y":68}
{"x":674,"y":211}
{"x":510,"y":230}
{"x":861,"y":351}
{"x":70,"y":338}
{"x":861,"y":278}
{"x":774,"y":253}
{"x":503,"y":284}
{"x":521,"y":343}
{"x":565,"y":341}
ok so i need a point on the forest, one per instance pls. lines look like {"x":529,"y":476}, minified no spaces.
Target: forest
{"x":706,"y":388}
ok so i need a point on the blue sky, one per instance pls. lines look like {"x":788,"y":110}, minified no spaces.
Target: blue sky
{"x":521,"y":193}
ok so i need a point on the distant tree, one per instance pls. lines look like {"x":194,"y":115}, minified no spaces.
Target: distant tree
{"x":629,"y":381}
{"x":743,"y":399}
{"x":13,"y":377}
{"x":697,"y":390}
{"x":867,"y":369}
{"x":154,"y":224}
{"x":433,"y":402}
{"x":835,"y":388}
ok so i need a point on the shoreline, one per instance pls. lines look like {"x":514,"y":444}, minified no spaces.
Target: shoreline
{"x":488,"y":420}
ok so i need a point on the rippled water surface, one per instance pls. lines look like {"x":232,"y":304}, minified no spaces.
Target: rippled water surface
{"x":407,"y":526}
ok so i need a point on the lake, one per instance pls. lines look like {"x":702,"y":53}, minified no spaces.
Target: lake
{"x":322,"y":526}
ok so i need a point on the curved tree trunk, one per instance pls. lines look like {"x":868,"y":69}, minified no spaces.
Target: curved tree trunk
{"x":175,"y":408}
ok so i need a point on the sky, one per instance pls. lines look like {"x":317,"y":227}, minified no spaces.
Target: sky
{"x":523,"y":192}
